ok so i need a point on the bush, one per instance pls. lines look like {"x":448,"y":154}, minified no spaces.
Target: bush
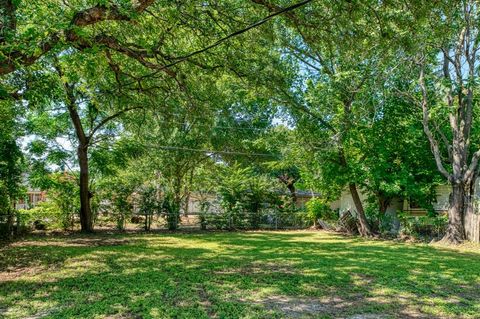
{"x":148,"y":204}
{"x":122,"y":207}
{"x":423,"y":227}
{"x":244,"y":197}
{"x":319,"y":209}
{"x":204,"y":212}
{"x":382,"y":223}
{"x":46,"y":215}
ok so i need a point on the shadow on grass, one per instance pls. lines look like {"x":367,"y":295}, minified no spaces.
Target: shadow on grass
{"x":236,"y":275}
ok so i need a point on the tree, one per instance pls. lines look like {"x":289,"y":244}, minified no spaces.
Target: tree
{"x":451,"y":96}
{"x":82,"y":114}
{"x":60,"y":28}
{"x":128,"y":28}
{"x":283,"y":164}
{"x":95,"y":57}
{"x":393,"y":156}
{"x":336,"y":63}
{"x":333,"y":67}
{"x":11,"y":164}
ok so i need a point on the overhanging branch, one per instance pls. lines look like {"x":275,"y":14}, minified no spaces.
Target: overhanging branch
{"x":426,"y":127}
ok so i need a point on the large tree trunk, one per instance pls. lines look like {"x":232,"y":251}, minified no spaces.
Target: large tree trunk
{"x":471,"y":220}
{"x":363,"y":226}
{"x":10,"y":223}
{"x":455,"y":233}
{"x":85,"y":210}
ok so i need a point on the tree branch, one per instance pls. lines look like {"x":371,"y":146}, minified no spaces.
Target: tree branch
{"x":236,"y":33}
{"x":71,"y":104}
{"x":472,"y":167}
{"x":304,"y":109}
{"x":80,"y":19}
{"x":109,"y":118}
{"x":426,"y":128}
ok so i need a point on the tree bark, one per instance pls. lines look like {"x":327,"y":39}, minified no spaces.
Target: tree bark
{"x":86,"y":220}
{"x":363,"y":226}
{"x":470,"y":218}
{"x":383,"y":203}
{"x":85,"y":209}
{"x":455,"y":233}
{"x":10,"y":223}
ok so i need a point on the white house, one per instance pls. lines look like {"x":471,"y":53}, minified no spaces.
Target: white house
{"x":472,"y":222}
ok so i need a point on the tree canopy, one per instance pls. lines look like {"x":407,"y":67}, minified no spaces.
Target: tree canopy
{"x":374,"y":99}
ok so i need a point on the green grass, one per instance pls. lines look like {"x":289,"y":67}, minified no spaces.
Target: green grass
{"x":235,"y":275}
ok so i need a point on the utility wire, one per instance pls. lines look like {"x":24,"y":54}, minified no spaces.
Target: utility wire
{"x":222,"y":40}
{"x":176,"y":148}
{"x":248,"y":128}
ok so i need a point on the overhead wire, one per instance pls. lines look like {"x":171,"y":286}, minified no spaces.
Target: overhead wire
{"x":208,"y":151}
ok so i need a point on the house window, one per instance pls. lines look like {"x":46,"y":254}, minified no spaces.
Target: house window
{"x":414,"y":204}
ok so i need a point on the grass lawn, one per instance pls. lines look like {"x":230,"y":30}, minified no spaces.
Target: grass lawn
{"x":235,"y":275}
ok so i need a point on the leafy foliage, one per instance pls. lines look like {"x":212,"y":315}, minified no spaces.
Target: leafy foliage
{"x":320,"y":209}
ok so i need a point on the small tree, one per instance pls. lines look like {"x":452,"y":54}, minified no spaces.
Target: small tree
{"x":122,"y":204}
{"x":244,"y":196}
{"x":318,"y":209}
{"x":204,"y":211}
{"x":63,"y":201}
{"x":148,"y":204}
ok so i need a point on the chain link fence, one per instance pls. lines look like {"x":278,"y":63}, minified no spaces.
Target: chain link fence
{"x":266,"y":219}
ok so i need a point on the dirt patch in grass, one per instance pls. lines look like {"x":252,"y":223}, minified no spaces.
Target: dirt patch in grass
{"x":205,"y":302}
{"x":13,"y":273}
{"x":335,"y":307}
{"x":123,"y":316}
{"x":77,"y":242}
{"x":304,"y":307}
{"x":296,"y":307}
{"x":258,"y":268}
{"x":367,"y":316}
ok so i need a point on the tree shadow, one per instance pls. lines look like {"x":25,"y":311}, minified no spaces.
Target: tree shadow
{"x":237,"y":275}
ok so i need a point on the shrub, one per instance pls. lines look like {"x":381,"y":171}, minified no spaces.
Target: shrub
{"x":319,"y":209}
{"x":148,"y":204}
{"x":423,"y":227}
{"x":204,"y":212}
{"x":46,"y":215}
{"x":379,"y":222}
{"x":122,"y":206}
{"x":245,"y":198}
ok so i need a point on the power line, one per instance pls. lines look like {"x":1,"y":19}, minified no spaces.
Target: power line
{"x":231,"y":35}
{"x":177,"y":148}
{"x":189,"y":112}
{"x":216,"y":126}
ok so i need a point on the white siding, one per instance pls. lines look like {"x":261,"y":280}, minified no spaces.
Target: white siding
{"x":346,"y":202}
{"x":443,"y":194}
